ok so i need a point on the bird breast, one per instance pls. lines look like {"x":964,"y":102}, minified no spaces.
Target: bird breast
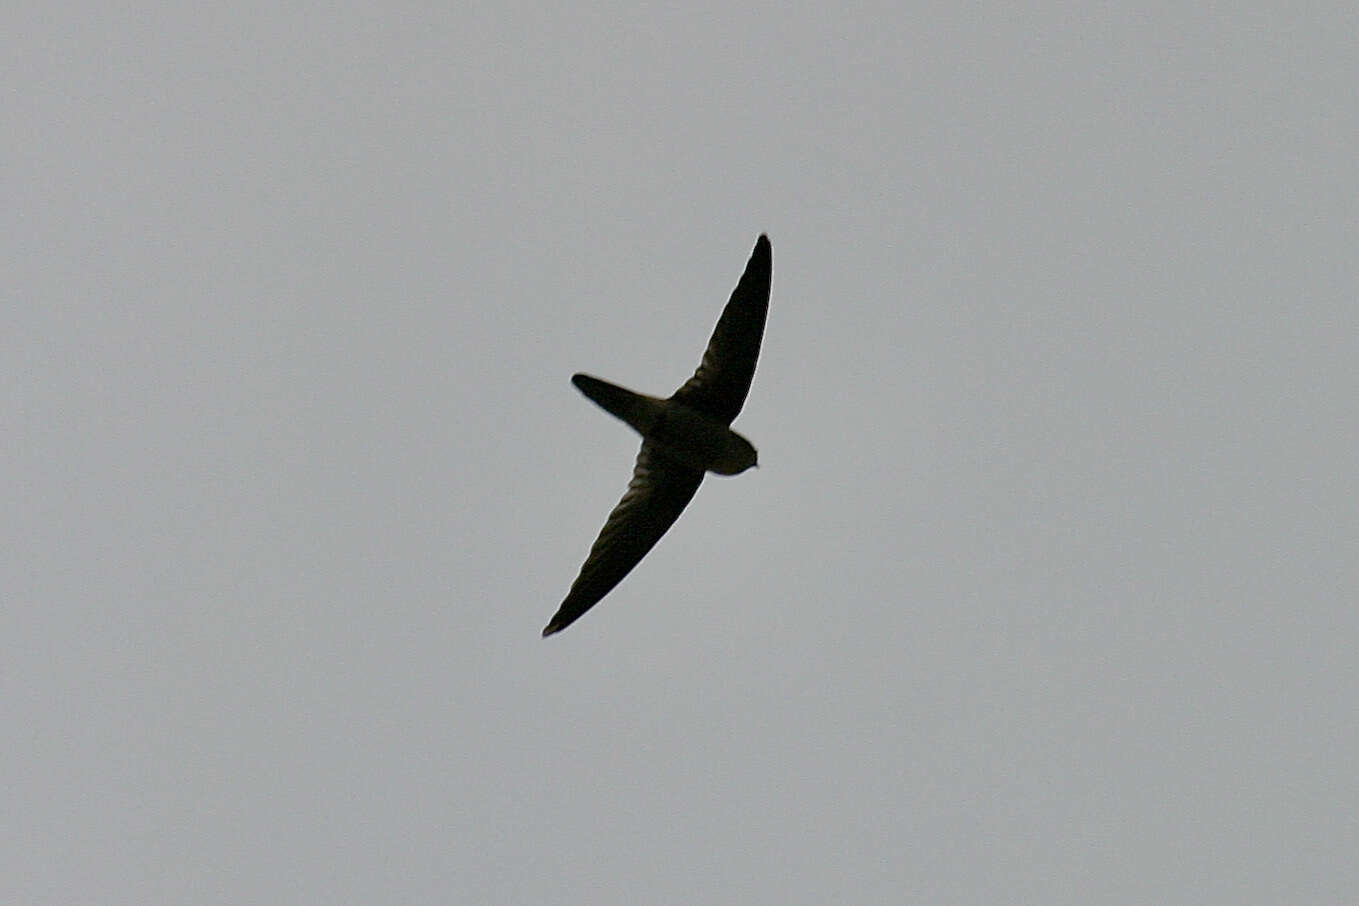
{"x":700,"y":441}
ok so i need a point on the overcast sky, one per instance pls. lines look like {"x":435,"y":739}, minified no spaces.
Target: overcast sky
{"x":1045,"y":591}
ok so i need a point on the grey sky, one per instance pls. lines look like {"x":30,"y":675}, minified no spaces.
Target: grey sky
{"x":1044,"y":591}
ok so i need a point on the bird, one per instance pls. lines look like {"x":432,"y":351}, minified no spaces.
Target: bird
{"x":683,"y":437}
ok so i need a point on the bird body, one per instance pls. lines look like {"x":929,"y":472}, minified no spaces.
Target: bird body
{"x":683,"y":438}
{"x":682,"y":433}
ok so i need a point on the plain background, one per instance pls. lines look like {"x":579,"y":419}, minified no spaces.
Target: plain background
{"x":1045,"y":590}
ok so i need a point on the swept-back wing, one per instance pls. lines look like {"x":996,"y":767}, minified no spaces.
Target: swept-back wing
{"x":659,"y":491}
{"x":719,"y":386}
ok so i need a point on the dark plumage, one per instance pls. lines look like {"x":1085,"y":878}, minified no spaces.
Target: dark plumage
{"x":682,"y":437}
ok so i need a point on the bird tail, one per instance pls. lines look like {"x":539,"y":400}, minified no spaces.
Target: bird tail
{"x":637,"y":410}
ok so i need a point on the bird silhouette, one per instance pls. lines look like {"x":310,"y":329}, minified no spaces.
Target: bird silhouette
{"x":683,"y":437}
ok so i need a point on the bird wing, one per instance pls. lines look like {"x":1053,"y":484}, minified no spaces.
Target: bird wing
{"x":659,"y":491}
{"x":719,"y":386}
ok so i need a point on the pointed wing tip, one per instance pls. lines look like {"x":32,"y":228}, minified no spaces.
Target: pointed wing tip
{"x":560,"y":620}
{"x":761,"y":257}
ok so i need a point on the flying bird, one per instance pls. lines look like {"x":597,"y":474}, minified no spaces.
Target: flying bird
{"x":683,"y":437}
